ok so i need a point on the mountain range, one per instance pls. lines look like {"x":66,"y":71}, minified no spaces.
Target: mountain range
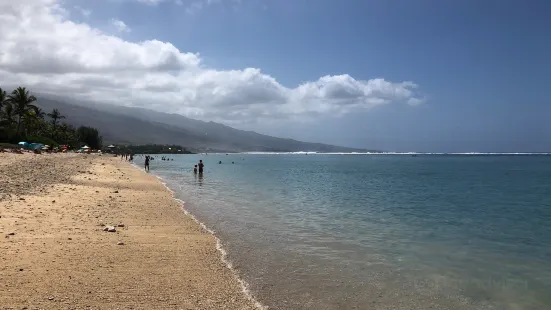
{"x":131,"y":125}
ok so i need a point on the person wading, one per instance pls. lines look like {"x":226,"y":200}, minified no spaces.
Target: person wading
{"x":147,"y":163}
{"x":201,"y":166}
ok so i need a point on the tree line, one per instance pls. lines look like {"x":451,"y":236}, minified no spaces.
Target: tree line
{"x":22,"y":120}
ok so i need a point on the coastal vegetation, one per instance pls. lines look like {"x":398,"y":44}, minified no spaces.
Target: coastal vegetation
{"x":21,"y":119}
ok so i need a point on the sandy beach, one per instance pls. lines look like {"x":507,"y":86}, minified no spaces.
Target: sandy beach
{"x":55,"y":254}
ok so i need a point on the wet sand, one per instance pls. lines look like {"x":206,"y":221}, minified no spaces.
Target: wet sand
{"x":55,"y":254}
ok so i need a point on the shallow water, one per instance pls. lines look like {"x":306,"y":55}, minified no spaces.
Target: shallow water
{"x":378,"y":231}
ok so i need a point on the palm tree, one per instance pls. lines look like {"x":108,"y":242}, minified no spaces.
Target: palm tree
{"x":39,"y":113}
{"x":34,"y":120}
{"x":67,"y":133}
{"x":55,"y":116}
{"x":22,"y":102}
{"x":42,"y":127}
{"x":3,"y":98}
{"x":63,"y":130}
{"x":8,"y":116}
{"x":3,"y":102}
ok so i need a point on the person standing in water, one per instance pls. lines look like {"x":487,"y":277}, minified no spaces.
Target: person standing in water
{"x":195,"y":169}
{"x":201,"y":166}
{"x":146,"y":163}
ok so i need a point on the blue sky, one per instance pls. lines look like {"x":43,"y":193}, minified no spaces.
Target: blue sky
{"x":481,"y":68}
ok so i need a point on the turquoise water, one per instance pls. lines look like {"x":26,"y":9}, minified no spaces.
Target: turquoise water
{"x":378,"y":231}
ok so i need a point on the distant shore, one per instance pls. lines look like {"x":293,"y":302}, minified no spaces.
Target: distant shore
{"x":56,"y":254}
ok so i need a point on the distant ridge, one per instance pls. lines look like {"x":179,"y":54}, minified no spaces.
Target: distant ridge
{"x":128,"y":125}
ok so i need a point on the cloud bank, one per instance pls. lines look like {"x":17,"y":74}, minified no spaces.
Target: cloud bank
{"x":46,"y":51}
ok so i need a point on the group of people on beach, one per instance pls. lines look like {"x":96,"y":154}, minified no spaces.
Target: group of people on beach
{"x":128,"y":157}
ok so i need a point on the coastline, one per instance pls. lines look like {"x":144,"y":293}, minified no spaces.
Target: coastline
{"x":56,"y":254}
{"x":218,"y":244}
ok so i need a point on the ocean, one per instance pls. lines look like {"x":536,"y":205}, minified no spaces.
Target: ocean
{"x":377,"y":231}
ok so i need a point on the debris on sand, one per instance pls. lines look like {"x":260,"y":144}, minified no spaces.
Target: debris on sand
{"x":110,"y":229}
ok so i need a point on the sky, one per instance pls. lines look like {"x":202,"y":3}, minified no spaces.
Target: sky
{"x":395,"y":75}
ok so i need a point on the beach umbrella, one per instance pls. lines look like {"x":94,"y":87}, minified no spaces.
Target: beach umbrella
{"x":36,"y":146}
{"x":111,"y":146}
{"x":85,"y":147}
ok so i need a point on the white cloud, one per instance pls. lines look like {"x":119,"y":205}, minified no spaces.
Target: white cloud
{"x":84,"y":12}
{"x":119,"y":25}
{"x":47,"y":52}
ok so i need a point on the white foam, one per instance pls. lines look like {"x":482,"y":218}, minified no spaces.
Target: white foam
{"x":219,"y":246}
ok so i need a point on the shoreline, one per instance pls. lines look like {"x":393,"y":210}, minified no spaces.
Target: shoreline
{"x":56,"y":254}
{"x":223,"y":254}
{"x":219,"y":245}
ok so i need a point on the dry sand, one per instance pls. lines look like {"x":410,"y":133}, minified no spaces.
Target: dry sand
{"x":54,"y":253}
